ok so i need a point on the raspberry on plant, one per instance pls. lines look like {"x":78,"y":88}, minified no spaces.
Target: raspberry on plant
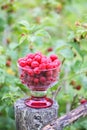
{"x":8,"y":63}
{"x":82,"y":101}
{"x":78,"y":87}
{"x":50,"y":49}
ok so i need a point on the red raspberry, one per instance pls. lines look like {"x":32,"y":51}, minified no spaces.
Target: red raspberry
{"x":49,"y":60}
{"x":23,"y":82}
{"x":55,"y":64}
{"x":42,"y":79}
{"x":34,"y":64}
{"x":29,"y":61}
{"x":20,"y":59}
{"x":30,"y":55}
{"x":36,"y":80}
{"x":38,"y":53}
{"x":44,"y":60}
{"x":37,"y":58}
{"x":30,"y":72}
{"x":21,"y":76}
{"x":50,"y":49}
{"x":31,"y":79}
{"x":36,"y":70}
{"x":49,"y":66}
{"x":58,"y":62}
{"x":78,"y":87}
{"x":53,"y":57}
{"x":22,"y":63}
{"x":49,"y":73}
{"x":27,"y":67}
{"x":82,"y":101}
{"x":42,"y":66}
{"x":8,"y":63}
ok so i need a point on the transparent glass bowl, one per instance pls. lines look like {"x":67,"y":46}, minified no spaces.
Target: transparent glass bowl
{"x":38,"y":83}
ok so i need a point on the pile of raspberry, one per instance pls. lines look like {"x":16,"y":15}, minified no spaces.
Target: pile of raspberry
{"x":37,"y":71}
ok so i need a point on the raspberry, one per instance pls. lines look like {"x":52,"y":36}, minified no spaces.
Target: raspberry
{"x":78,"y":87}
{"x":37,"y":58}
{"x":49,"y":73}
{"x":57,"y":61}
{"x":55,"y":64}
{"x":36,"y":80}
{"x":50,"y":49}
{"x":30,"y":56}
{"x":29,"y":61}
{"x":34,"y":64}
{"x":49,"y":60}
{"x":20,"y":59}
{"x":38,"y":53}
{"x":22,"y":63}
{"x":21,"y":76}
{"x":8,"y":63}
{"x":42,"y":79}
{"x":82,"y":101}
{"x":49,"y":66}
{"x":27,"y":67}
{"x":44,"y":60}
{"x":53,"y":57}
{"x":30,"y":72}
{"x":42,"y":66}
{"x":36,"y":70}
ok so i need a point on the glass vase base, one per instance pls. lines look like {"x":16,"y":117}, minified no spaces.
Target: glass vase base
{"x":39,"y":102}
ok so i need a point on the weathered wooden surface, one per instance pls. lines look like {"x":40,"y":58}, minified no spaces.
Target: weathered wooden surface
{"x":67,"y":119}
{"x":33,"y":119}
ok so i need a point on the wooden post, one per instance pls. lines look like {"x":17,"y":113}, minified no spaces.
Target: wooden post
{"x":33,"y":119}
{"x":67,"y":119}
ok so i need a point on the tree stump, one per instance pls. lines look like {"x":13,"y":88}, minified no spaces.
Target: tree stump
{"x":33,"y":119}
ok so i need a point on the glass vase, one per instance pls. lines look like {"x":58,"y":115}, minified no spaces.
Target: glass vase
{"x":38,"y":83}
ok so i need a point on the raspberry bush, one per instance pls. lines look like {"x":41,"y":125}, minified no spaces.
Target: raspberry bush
{"x":51,"y":27}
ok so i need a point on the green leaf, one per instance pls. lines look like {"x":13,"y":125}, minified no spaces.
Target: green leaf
{"x":42,"y":33}
{"x":67,"y":53}
{"x":2,"y":60}
{"x":60,"y":44}
{"x":24,"y":23}
{"x":2,"y":76}
{"x":79,"y":66}
{"x":2,"y":24}
{"x":22,"y":39}
{"x":77,"y":48}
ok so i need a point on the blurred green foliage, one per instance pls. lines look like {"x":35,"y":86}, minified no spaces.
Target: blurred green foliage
{"x":38,"y":25}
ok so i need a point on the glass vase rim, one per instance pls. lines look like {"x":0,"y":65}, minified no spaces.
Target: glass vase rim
{"x":41,"y":70}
